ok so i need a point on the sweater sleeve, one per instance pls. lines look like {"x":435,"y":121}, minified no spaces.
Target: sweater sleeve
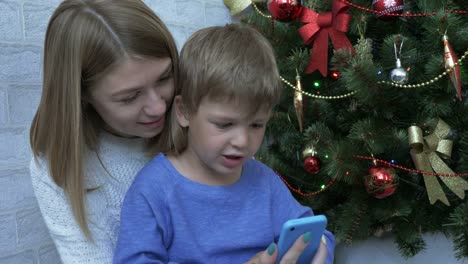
{"x":145,"y":232}
{"x":289,"y":208}
{"x":72,"y":246}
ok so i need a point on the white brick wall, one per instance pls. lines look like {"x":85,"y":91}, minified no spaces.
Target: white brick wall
{"x":23,"y":236}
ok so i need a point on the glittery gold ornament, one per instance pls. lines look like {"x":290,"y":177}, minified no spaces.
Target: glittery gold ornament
{"x":299,"y":103}
{"x":237,"y":6}
{"x":427,"y":153}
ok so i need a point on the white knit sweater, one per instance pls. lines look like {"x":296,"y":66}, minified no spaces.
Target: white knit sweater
{"x":123,"y":158}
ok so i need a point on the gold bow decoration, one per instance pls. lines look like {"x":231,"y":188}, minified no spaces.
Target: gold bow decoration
{"x":237,"y":6}
{"x":426,"y":153}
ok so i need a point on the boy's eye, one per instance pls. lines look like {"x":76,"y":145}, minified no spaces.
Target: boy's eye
{"x":258,"y":125}
{"x":223,"y":125}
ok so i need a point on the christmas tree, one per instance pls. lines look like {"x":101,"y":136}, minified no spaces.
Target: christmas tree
{"x":372,"y":129}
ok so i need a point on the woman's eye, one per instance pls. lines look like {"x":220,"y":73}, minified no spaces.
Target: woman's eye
{"x":130,"y":99}
{"x":165,"y":78}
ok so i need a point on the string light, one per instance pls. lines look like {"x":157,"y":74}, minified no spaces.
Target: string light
{"x":406,"y":86}
{"x":406,"y":14}
{"x":334,"y":74}
{"x":318,"y":96}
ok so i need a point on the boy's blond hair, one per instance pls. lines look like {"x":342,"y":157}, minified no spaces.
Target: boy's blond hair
{"x":234,"y":62}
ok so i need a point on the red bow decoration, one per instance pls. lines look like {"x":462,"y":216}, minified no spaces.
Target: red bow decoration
{"x":318,"y":27}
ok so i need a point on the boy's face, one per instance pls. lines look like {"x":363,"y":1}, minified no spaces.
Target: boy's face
{"x":221,"y":138}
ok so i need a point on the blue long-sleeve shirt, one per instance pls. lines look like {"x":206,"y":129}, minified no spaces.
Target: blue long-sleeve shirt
{"x":167,"y":218}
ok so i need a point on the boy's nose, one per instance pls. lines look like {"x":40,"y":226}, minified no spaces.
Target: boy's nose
{"x":241,"y":138}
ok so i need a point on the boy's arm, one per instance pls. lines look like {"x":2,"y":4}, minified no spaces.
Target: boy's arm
{"x":143,"y":230}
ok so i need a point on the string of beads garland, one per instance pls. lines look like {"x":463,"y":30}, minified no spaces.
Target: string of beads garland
{"x":461,"y":12}
{"x":419,"y":85}
{"x":405,"y":86}
{"x":356,"y":222}
{"x":260,"y":12}
{"x":305,"y":194}
{"x":334,"y":97}
{"x":411,"y":170}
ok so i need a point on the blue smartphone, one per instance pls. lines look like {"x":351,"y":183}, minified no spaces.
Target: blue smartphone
{"x":294,"y":228}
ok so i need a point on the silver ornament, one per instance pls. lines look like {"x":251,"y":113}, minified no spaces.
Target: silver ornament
{"x":399,"y":75}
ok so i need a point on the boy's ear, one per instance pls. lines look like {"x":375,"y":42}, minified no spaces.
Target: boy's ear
{"x":181,"y":112}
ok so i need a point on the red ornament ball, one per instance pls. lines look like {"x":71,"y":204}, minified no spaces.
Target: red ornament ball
{"x":388,"y":7}
{"x":285,"y":10}
{"x":312,"y":164}
{"x":381,"y":181}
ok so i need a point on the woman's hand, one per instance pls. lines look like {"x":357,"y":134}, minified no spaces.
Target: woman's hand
{"x":267,"y":256}
{"x":271,"y":253}
{"x":321,"y":254}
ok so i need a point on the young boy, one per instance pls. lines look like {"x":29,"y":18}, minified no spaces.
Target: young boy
{"x":206,"y":200}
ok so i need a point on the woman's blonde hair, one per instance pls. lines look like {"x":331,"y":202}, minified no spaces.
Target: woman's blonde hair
{"x":233,"y":62}
{"x":85,"y":39}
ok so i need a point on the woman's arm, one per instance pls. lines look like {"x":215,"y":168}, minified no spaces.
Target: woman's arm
{"x":72,"y":246}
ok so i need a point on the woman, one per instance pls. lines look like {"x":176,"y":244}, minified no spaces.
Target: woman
{"x":109,"y":76}
{"x":108,"y":82}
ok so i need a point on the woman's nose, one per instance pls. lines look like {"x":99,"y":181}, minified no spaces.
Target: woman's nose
{"x":154,"y":105}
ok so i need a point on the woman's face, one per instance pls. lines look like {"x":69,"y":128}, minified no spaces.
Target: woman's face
{"x":132,"y":99}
